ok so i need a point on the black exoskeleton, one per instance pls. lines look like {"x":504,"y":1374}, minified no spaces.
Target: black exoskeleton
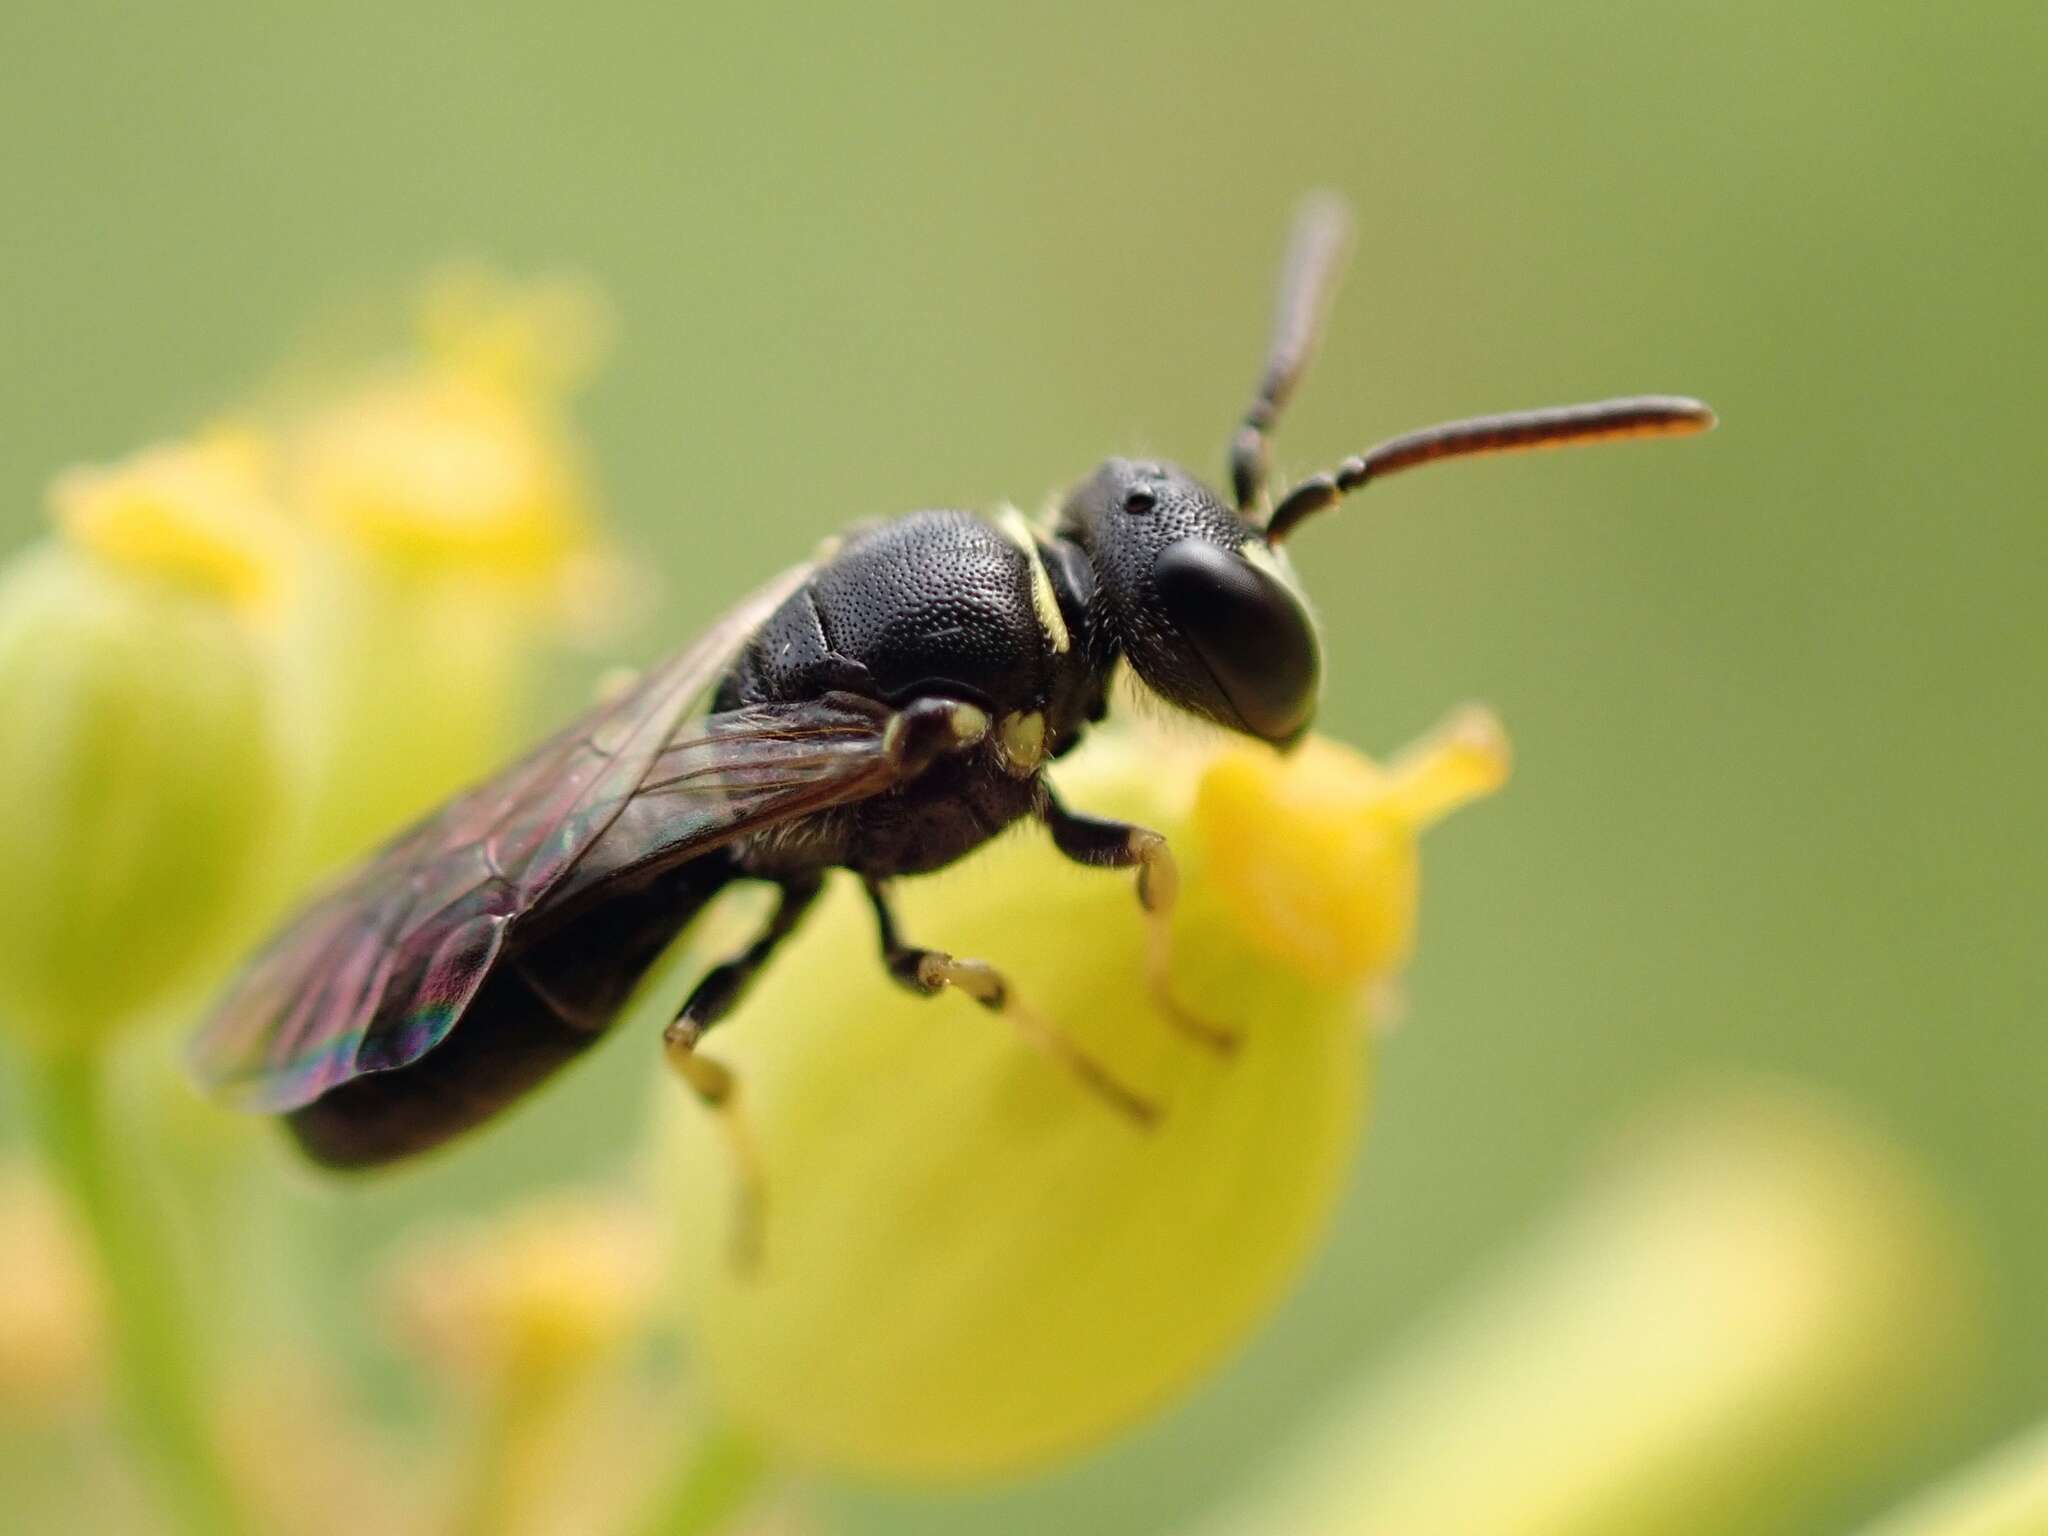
{"x":935,"y":605}
{"x":885,"y":710}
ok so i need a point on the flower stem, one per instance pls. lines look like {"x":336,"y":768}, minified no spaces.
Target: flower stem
{"x":154,"y":1339}
{"x":725,"y":1474}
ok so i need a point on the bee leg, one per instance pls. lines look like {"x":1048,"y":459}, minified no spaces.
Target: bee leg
{"x":724,"y":985}
{"x":713,"y":1082}
{"x":717,"y":1089}
{"x":924,"y":729}
{"x":929,"y":972}
{"x":1104,"y":844}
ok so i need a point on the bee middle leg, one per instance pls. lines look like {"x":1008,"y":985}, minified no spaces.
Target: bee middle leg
{"x":715,"y":996}
{"x":1104,"y":844}
{"x":929,"y":972}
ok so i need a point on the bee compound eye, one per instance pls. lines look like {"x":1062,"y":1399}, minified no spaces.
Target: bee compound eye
{"x":1253,"y":637}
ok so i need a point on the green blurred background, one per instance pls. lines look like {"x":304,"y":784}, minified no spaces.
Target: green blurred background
{"x":1777,"y":695}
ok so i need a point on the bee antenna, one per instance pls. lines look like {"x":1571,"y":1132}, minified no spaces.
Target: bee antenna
{"x":1511,"y":432}
{"x":1308,"y":281}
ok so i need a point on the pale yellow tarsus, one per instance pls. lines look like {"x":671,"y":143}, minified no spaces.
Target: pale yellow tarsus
{"x":1022,"y":739}
{"x":980,"y":981}
{"x":1158,"y":891}
{"x":969,"y":723}
{"x":718,"y":1090}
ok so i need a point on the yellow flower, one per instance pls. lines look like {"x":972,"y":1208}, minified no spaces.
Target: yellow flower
{"x":519,"y":1311}
{"x":51,"y":1325}
{"x":462,"y":462}
{"x":973,"y":1265}
{"x":198,"y":514}
{"x":139,"y":758}
{"x":444,"y":472}
{"x":537,"y":338}
{"x":530,"y":1298}
{"x":455,"y":531}
{"x":1753,"y":1301}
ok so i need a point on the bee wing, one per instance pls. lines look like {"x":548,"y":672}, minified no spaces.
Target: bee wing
{"x":376,"y":972}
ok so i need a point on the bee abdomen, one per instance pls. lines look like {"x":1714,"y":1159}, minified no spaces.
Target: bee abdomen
{"x":541,"y":1006}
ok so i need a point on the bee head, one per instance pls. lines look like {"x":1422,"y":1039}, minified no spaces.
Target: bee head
{"x":1203,"y":608}
{"x":1195,"y":591}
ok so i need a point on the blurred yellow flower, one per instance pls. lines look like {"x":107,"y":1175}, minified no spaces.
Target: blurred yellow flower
{"x":51,"y":1324}
{"x":538,"y":338}
{"x":140,"y":759}
{"x":1754,"y":1301}
{"x":461,"y":462}
{"x":197,"y":513}
{"x":519,"y":1311}
{"x":445,"y":472}
{"x":303,"y":1461}
{"x":529,"y":1298}
{"x":241,"y":659}
{"x":972,"y":1265}
{"x":454,"y":530}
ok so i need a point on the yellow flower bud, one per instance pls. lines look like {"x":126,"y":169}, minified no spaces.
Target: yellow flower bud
{"x":1753,"y":1302}
{"x":51,"y":1325}
{"x":518,"y":1311}
{"x":462,"y":462}
{"x":446,"y":472}
{"x":537,"y":338}
{"x":972,"y":1264}
{"x":530,"y":1298}
{"x":301,"y":1456}
{"x":456,"y":532}
{"x":197,"y":514}
{"x":1314,"y":856}
{"x":138,"y":760}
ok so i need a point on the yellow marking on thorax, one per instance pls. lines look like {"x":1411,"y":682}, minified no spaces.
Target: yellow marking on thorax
{"x":1010,"y":522}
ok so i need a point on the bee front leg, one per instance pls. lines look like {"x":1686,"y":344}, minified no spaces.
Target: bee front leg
{"x":929,"y":972}
{"x":1104,"y":844}
{"x":712,"y":1081}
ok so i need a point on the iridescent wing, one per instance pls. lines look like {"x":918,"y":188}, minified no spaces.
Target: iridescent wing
{"x":376,"y":972}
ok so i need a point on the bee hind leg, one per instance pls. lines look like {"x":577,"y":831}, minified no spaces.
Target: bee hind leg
{"x":929,"y":972}
{"x":713,"y":1082}
{"x":1104,"y":844}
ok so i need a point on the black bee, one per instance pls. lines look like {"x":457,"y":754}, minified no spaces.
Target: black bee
{"x":885,"y":709}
